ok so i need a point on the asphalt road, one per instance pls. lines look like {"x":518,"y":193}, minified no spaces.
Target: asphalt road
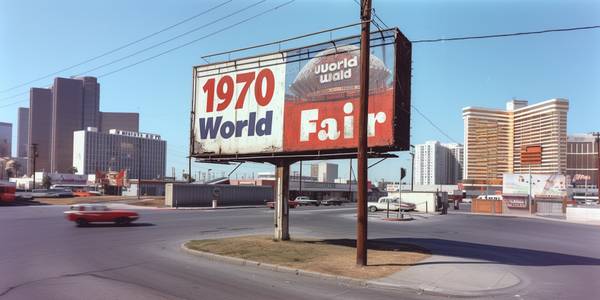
{"x":46,"y":257}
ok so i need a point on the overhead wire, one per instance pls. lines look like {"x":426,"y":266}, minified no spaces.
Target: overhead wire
{"x":198,"y":39}
{"x":171,"y":49}
{"x":376,"y":16}
{"x":120,"y":47}
{"x":172,"y":39}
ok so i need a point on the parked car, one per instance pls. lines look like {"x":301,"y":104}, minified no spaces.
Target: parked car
{"x":332,"y":201}
{"x":394,"y":204}
{"x":51,"y":193}
{"x":83,"y":214}
{"x":61,"y":193}
{"x":305,"y":200}
{"x":291,"y":203}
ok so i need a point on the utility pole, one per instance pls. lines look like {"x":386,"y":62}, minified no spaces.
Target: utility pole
{"x":412,"y":168}
{"x":363,"y":110}
{"x":34,"y":156}
{"x":597,"y":135}
{"x":139,"y":189}
{"x":189,"y":169}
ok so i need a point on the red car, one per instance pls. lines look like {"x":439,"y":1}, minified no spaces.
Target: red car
{"x":291,"y":203}
{"x":83,"y":214}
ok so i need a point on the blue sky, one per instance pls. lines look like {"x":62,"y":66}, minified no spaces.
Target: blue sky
{"x":39,"y":37}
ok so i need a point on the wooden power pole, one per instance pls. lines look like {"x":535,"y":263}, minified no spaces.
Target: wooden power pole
{"x":597,"y":135}
{"x":363,"y":110}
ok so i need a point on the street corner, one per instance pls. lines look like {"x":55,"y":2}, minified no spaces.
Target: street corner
{"x":444,"y":275}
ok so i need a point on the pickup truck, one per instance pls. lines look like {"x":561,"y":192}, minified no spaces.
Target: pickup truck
{"x":304,"y":200}
{"x":394,"y":204}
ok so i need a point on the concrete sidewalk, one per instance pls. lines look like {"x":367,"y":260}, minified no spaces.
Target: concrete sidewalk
{"x":548,"y":218}
{"x":437,"y":275}
{"x":456,"y":277}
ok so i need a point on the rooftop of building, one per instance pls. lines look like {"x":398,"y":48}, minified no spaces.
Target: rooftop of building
{"x":518,"y":105}
{"x":136,"y":134}
{"x":581,"y":137}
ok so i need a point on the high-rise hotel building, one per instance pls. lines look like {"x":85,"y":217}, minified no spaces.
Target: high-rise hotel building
{"x":70,"y":105}
{"x":437,"y":163}
{"x":494,"y":138}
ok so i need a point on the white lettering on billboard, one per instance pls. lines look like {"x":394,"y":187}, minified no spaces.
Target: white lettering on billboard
{"x":239,"y":108}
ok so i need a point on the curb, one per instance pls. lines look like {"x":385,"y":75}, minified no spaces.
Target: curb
{"x":218,"y":208}
{"x":528,"y":217}
{"x":429,"y":290}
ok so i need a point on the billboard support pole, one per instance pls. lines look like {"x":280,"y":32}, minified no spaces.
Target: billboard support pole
{"x":362,"y":218}
{"x":300,"y":181}
{"x":282,"y":187}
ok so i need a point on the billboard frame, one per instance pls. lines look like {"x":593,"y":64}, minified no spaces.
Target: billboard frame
{"x":401,"y":103}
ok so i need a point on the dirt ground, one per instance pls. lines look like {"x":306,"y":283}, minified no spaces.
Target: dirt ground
{"x":336,"y":257}
{"x":154,"y":202}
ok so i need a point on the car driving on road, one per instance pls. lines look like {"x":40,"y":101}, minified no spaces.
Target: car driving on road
{"x":305,"y":200}
{"x":83,"y":214}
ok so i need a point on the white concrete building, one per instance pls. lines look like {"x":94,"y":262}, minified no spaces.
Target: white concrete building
{"x":324,"y":172}
{"x":437,"y":163}
{"x":141,"y":154}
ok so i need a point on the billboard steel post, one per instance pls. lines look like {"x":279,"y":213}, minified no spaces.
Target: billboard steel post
{"x":361,"y":231}
{"x":282,"y":187}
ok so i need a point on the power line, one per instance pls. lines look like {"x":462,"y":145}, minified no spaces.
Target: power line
{"x":170,"y":50}
{"x":198,"y":39}
{"x":13,"y":103}
{"x":171,"y":39}
{"x":414,"y":41}
{"x":504,"y":34}
{"x":119,"y":48}
{"x":14,"y":96}
{"x":433,"y":124}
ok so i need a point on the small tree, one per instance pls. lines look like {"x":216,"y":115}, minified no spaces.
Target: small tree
{"x":46,"y":182}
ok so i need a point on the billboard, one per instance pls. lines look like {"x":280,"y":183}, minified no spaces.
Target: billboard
{"x":541,"y":185}
{"x":303,"y":101}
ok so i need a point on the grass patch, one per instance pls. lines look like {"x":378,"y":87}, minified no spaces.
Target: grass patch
{"x":79,"y":200}
{"x":155,"y":202}
{"x":336,"y":257}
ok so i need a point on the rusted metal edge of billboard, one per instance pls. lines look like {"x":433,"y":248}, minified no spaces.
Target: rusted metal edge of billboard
{"x":251,"y":64}
{"x":284,"y":40}
{"x":395,"y":32}
{"x":378,"y":151}
{"x":226,"y":159}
